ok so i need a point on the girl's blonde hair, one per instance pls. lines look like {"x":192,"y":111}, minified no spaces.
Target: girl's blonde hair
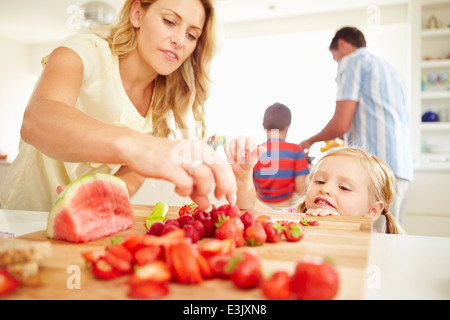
{"x":383,"y":181}
{"x":185,"y":89}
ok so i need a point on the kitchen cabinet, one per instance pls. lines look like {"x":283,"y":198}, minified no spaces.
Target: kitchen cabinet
{"x":430,"y":88}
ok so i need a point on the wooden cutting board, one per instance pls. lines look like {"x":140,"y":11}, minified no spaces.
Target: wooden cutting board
{"x":346,"y":240}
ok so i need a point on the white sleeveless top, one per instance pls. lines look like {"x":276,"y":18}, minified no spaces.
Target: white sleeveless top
{"x":33,"y":177}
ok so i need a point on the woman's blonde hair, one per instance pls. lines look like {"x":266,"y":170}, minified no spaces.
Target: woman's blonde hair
{"x":383,"y":181}
{"x":185,"y":89}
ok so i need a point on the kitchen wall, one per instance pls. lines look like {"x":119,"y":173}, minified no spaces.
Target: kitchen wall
{"x":427,"y":211}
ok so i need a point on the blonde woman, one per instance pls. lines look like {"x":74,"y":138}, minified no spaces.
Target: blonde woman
{"x":345,"y":181}
{"x":121,"y":105}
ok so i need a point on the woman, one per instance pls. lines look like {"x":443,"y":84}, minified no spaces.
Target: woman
{"x":111,"y":105}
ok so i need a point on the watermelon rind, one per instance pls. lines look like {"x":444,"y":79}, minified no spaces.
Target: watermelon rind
{"x":71,"y":189}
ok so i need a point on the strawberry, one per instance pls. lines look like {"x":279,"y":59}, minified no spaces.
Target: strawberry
{"x":7,"y":283}
{"x":315,"y":280}
{"x":245,"y":269}
{"x":277,"y":287}
{"x":308,"y":223}
{"x":92,"y":255}
{"x":255,"y":235}
{"x":293,"y":232}
{"x":231,"y":228}
{"x":182,"y":261}
{"x":248,"y":219}
{"x":103,"y":270}
{"x":148,"y":290}
{"x":148,"y":254}
{"x":156,"y":228}
{"x":133,"y":242}
{"x":228,"y":210}
{"x":205,"y":269}
{"x":182,"y":220}
{"x":187,"y":209}
{"x":156,"y":271}
{"x":119,"y":258}
{"x":262,"y":218}
{"x":216,"y":247}
{"x":218,"y":264}
{"x":274,"y":231}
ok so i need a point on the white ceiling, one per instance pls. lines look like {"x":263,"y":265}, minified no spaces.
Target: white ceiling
{"x":46,"y":20}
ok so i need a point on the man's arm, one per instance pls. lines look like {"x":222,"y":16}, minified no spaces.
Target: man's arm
{"x":337,"y":126}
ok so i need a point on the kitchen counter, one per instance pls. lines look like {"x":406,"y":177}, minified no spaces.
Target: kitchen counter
{"x":399,"y":267}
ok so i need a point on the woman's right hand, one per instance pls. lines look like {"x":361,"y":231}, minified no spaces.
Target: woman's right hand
{"x":173,"y":161}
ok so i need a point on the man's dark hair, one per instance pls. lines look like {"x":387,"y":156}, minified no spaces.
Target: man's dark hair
{"x":349,"y":34}
{"x":277,"y":116}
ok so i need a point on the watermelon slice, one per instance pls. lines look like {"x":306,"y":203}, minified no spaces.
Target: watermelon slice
{"x":89,"y":208}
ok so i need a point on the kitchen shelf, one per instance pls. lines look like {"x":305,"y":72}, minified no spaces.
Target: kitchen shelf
{"x":440,"y":32}
{"x":435,"y":95}
{"x":440,"y":63}
{"x":435,"y":126}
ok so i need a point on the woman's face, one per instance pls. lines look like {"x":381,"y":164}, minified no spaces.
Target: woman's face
{"x":340,"y":184}
{"x":168,"y":32}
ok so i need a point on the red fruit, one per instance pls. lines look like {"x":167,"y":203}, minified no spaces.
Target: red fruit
{"x":274,"y":231}
{"x":201,"y":215}
{"x":245,"y":269}
{"x":248,"y":219}
{"x":205,"y":269}
{"x":216,"y":247}
{"x":133,"y":242}
{"x":277,"y":287}
{"x":182,"y":220}
{"x":255,"y":235}
{"x":148,"y":290}
{"x":103,"y":270}
{"x":182,"y":261}
{"x":156,"y":271}
{"x":231,"y":228}
{"x":156,"y":228}
{"x":169,"y":228}
{"x":228,"y":210}
{"x":93,"y":255}
{"x":262,"y":218}
{"x":148,"y":254}
{"x":315,"y":280}
{"x":172,"y":221}
{"x":219,"y":263}
{"x":187,"y":209}
{"x":190,"y":232}
{"x":210,"y":228}
{"x":119,"y":258}
{"x":293,"y":232}
{"x":7,"y":283}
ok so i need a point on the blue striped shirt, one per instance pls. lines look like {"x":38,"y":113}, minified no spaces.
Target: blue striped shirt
{"x":381,"y":124}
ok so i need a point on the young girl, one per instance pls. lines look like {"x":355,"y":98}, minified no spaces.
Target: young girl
{"x":110,"y":104}
{"x":349,"y":182}
{"x":345,"y":181}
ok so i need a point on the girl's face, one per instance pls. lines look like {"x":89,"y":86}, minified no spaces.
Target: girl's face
{"x":342,"y":185}
{"x":168,"y":32}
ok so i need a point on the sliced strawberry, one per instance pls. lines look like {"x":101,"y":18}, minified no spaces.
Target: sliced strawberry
{"x":133,"y":242}
{"x":216,"y":247}
{"x":205,"y":269}
{"x":148,"y":254}
{"x":119,"y":258}
{"x":92,"y":255}
{"x":7,"y":283}
{"x":103,"y":270}
{"x":156,"y":271}
{"x":262,"y":218}
{"x":277,"y":286}
{"x":148,"y":290}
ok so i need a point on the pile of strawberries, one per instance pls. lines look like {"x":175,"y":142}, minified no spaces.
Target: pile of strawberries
{"x":155,"y":259}
{"x":227,"y":222}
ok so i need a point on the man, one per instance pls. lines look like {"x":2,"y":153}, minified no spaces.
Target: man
{"x":371,"y":111}
{"x":279,"y":175}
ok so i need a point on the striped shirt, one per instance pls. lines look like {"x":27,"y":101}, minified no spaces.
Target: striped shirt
{"x":274,"y":174}
{"x":381,"y":124}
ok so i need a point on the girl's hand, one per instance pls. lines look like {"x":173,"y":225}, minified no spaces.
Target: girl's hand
{"x":322,"y":212}
{"x":243,"y":154}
